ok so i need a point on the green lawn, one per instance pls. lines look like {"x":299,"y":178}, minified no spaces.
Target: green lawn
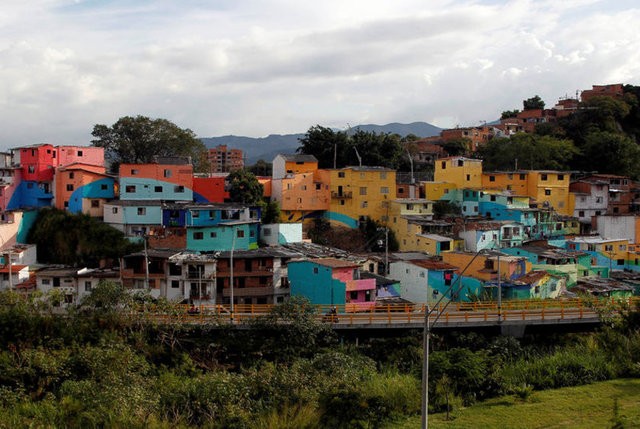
{"x":588,"y":406}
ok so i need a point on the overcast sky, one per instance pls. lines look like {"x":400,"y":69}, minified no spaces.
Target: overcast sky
{"x":259,"y":67}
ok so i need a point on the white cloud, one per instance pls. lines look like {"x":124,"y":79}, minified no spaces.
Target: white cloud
{"x":280,"y":66}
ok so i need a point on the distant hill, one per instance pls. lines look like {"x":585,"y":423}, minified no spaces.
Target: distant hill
{"x":267,"y":148}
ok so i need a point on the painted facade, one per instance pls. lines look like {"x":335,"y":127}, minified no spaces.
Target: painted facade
{"x":331,"y":281}
{"x":209,"y":189}
{"x":361,"y":192}
{"x":167,"y":182}
{"x":284,"y":165}
{"x":83,"y":189}
{"x":281,"y":233}
{"x":464,"y":173}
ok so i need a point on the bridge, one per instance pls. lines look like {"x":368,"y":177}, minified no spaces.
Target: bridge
{"x":512,"y":317}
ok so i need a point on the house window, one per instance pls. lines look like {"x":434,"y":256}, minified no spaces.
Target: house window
{"x":547,"y":191}
{"x":444,"y":165}
{"x":178,"y":189}
{"x":213,"y":234}
{"x":522,"y":177}
{"x":363,"y":190}
{"x":46,"y":282}
{"x":318,"y":186}
{"x":175,"y":284}
{"x":79,"y":153}
{"x":266,"y":232}
{"x":353,"y":295}
{"x":365,"y":204}
{"x":384,"y":190}
{"x":299,"y":200}
{"x":581,"y":213}
{"x":134,"y":172}
{"x":198,"y":235}
{"x":130,"y":189}
{"x":87,"y":286}
{"x":95,"y":204}
{"x":315,"y":270}
{"x":342,"y":202}
{"x":103,"y":187}
{"x":492,"y":198}
{"x":492,"y":178}
{"x":142,"y":211}
{"x":560,"y":176}
{"x":32,"y":169}
{"x":383,"y":175}
{"x":195,"y":214}
{"x":69,"y":187}
{"x":468,"y":177}
{"x":167,"y":173}
{"x":341,"y":174}
{"x":543,"y":177}
{"x":71,"y":174}
{"x":114,"y":210}
{"x":158,"y":189}
{"x":240,"y":233}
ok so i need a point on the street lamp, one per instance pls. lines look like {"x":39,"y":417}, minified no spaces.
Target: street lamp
{"x":426,"y":335}
{"x":233,"y":245}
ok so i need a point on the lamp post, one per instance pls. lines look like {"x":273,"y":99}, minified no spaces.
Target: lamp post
{"x":233,"y":245}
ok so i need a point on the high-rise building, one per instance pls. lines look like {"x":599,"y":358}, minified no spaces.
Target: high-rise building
{"x":224,"y":159}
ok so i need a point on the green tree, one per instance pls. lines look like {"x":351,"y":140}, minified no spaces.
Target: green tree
{"x":77,"y":240}
{"x":270,"y":212}
{"x":534,"y":102}
{"x":529,"y":151}
{"x":139,"y":139}
{"x":326,"y":145}
{"x":509,"y":114}
{"x":384,"y":149}
{"x":461,"y":146}
{"x":615,"y":153}
{"x":261,"y":168}
{"x":244,"y":187}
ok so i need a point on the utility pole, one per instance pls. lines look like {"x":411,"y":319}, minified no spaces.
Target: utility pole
{"x":146,"y":263}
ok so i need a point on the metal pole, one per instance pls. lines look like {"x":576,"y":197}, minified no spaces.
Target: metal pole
{"x":10,"y":273}
{"x":426,"y":334}
{"x":146,"y":264}
{"x":386,"y":254}
{"x":499,"y":284}
{"x":233,"y":245}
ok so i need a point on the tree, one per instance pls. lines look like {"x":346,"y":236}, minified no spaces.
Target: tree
{"x":270,"y":212}
{"x":261,"y":168}
{"x":343,"y":149}
{"x":138,"y":140}
{"x":78,"y":240}
{"x":461,"y":146}
{"x":509,"y":114}
{"x":244,"y":187}
{"x":528,"y":151}
{"x":614,"y":153}
{"x":534,"y":102}
{"x":326,"y":145}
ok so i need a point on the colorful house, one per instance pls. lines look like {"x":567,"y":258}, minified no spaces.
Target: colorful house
{"x":169,"y":181}
{"x":134,"y":218}
{"x":464,"y":173}
{"x":533,"y":285}
{"x":361,"y":192}
{"x":607,"y":254}
{"x":285,"y":165}
{"x":302,"y":195}
{"x":210,"y":189}
{"x":82,"y":188}
{"x":330,"y":281}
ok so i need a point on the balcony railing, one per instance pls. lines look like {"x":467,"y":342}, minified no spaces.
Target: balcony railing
{"x":341,"y":195}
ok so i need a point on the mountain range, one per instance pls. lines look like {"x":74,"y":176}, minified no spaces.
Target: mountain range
{"x":266,"y":148}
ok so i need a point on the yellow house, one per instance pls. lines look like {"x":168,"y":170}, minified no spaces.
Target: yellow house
{"x":547,"y":188}
{"x":486,"y":266}
{"x":361,"y":192}
{"x":436,"y":191}
{"x":405,"y":215}
{"x":550,"y":188}
{"x":516,"y":182}
{"x":465,"y":173}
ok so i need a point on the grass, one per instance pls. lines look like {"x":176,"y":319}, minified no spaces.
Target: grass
{"x":590,"y":406}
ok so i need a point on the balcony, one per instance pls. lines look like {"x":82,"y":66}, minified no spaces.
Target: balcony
{"x":341,"y":195}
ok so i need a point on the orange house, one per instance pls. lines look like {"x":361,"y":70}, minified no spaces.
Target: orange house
{"x":81,"y":188}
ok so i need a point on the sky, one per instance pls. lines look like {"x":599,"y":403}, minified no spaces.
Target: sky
{"x":260,"y":67}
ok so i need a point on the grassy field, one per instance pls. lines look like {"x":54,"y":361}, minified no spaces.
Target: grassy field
{"x":588,"y":406}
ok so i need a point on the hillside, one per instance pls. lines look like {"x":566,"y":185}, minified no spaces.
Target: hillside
{"x":267,"y":148}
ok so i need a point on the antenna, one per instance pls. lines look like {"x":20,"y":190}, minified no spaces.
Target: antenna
{"x":358,"y":155}
{"x":411,"y":162}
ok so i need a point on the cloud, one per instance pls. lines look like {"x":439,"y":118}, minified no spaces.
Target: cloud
{"x":280,"y":66}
